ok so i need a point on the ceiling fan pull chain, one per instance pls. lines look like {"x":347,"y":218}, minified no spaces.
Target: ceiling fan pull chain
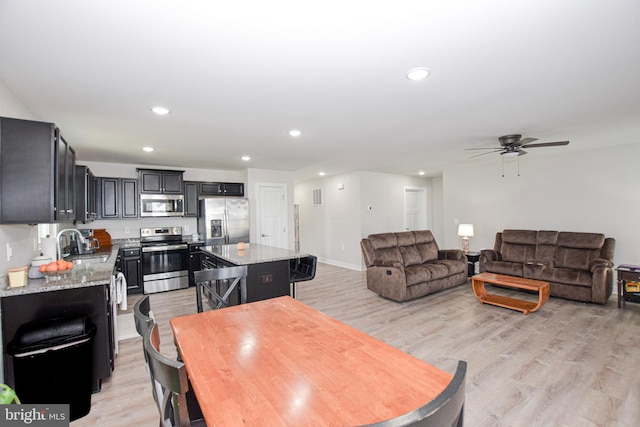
{"x":502,"y":158}
{"x":518,"y":165}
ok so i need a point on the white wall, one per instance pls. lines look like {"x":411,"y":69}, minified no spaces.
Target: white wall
{"x":19,"y":237}
{"x":333,"y":231}
{"x":588,"y":191}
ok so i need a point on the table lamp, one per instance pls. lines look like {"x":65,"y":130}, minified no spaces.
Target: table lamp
{"x":466,"y":231}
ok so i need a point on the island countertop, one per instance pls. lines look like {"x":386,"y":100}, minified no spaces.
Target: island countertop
{"x":82,"y":275}
{"x":254,"y":253}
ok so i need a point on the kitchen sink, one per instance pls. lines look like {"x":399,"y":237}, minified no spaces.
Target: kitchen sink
{"x":93,"y":259}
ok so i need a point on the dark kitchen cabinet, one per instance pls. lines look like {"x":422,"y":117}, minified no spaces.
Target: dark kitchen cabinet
{"x":131,"y":264}
{"x":160,"y":181}
{"x":37,"y":173}
{"x":117,"y":198}
{"x":190,"y":199}
{"x":86,"y":206}
{"x":66,"y":173}
{"x":195,"y":261}
{"x":94,"y":301}
{"x":221,"y":189}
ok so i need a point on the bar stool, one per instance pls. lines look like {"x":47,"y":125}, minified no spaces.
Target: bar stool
{"x":210,"y":280}
{"x":301,"y":270}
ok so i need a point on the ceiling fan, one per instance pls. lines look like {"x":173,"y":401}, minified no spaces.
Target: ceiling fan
{"x":513,"y":146}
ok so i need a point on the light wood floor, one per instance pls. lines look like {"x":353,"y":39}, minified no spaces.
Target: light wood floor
{"x":568,"y":364}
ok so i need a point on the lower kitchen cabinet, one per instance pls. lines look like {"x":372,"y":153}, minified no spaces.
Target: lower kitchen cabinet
{"x":131,"y":264}
{"x":93,"y":301}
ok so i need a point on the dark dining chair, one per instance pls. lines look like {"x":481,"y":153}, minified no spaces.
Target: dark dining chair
{"x":212,"y":280}
{"x":172,"y":384}
{"x":301,"y":270}
{"x":142,"y":315}
{"x":446,"y":410}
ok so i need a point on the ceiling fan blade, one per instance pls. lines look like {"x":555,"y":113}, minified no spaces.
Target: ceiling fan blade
{"x":525,"y":141}
{"x":546,"y":144}
{"x":483,"y":154}
{"x":486,"y":148}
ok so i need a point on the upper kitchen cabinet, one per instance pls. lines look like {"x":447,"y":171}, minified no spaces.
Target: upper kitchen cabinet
{"x":160,"y":181}
{"x":86,"y":207}
{"x":117,"y":198}
{"x":221,"y":189}
{"x":37,"y":173}
{"x":190,"y":199}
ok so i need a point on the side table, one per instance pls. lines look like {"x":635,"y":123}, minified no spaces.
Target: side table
{"x":472,"y":258}
{"x":628,"y":284}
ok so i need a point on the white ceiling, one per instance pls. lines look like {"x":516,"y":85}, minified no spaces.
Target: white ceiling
{"x":238,"y":75}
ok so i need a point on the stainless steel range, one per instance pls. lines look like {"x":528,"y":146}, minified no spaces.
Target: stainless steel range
{"x":165,"y":259}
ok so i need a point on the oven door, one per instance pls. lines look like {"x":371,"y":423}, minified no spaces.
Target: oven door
{"x":165,"y":267}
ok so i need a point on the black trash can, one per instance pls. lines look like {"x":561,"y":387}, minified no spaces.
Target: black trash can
{"x":52,"y":362}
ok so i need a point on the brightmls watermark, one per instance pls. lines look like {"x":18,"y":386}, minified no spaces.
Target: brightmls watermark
{"x":34,"y":415}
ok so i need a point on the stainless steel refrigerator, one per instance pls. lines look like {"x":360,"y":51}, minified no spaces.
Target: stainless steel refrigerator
{"x":224,"y":220}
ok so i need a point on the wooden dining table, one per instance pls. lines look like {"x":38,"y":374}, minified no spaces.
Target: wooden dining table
{"x":280,"y":362}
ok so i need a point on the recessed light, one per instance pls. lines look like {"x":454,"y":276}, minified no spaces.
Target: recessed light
{"x":148,"y":149}
{"x":160,"y":110}
{"x":420,"y":173}
{"x":295,"y":133}
{"x":321,"y":173}
{"x":419,"y":73}
{"x":245,"y":158}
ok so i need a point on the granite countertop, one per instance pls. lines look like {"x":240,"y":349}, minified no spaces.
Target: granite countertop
{"x":91,"y":274}
{"x":254,"y":253}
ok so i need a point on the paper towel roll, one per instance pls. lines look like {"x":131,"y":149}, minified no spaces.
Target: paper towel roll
{"x":49,"y":248}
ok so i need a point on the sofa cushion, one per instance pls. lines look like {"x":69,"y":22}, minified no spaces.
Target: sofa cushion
{"x":568,"y":276}
{"x":577,"y":250}
{"x":505,"y":267}
{"x":385,"y":248}
{"x":518,"y":245}
{"x":433,"y":270}
{"x":426,"y":245}
{"x":410,"y":255}
{"x":546,"y":245}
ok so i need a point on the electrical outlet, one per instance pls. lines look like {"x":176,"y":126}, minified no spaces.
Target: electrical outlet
{"x":9,"y":252}
{"x":342,"y":248}
{"x":127,"y":230}
{"x":186,"y":228}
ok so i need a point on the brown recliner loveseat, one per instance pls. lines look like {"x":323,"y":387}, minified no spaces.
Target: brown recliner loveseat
{"x":578,"y":266}
{"x":407,"y":265}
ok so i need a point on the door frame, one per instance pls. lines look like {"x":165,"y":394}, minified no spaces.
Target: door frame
{"x":424,"y":205}
{"x":285,"y":190}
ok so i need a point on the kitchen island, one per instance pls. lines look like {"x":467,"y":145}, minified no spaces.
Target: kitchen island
{"x":267,"y":268}
{"x":83,"y":290}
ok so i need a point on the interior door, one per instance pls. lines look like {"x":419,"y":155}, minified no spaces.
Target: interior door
{"x":272,"y":215}
{"x":415,"y":208}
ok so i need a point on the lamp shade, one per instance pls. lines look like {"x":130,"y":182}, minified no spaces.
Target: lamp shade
{"x":465,"y":230}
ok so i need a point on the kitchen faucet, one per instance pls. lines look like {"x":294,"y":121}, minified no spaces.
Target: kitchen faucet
{"x":60,"y":235}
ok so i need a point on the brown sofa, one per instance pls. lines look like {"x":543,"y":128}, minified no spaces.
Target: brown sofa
{"x":578,"y":266}
{"x":407,"y":265}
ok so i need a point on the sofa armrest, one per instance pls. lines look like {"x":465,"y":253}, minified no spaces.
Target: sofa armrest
{"x":490,"y":255}
{"x":596,"y":263}
{"x":454,"y":254}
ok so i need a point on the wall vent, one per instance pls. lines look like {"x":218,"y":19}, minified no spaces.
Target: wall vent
{"x":316,"y":197}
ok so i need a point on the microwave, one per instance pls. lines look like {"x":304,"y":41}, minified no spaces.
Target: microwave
{"x":161,"y":205}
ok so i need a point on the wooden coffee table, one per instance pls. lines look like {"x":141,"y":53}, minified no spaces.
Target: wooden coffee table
{"x":526,"y":307}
